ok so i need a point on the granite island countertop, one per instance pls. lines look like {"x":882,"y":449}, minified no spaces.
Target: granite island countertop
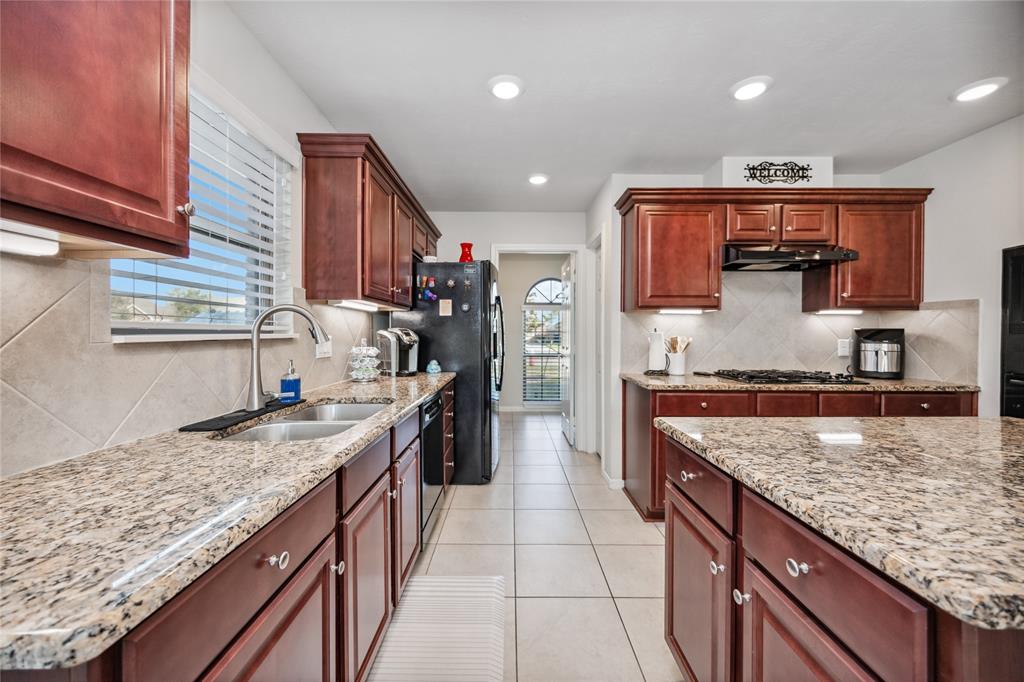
{"x":93,"y":545}
{"x":937,"y":504}
{"x":693,"y":382}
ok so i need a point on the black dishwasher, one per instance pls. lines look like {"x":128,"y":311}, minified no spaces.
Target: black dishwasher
{"x":432,"y":459}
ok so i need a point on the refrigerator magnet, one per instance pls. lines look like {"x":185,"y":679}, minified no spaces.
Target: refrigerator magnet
{"x":444,"y":308}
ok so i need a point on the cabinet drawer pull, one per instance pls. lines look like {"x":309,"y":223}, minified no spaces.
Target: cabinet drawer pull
{"x":845,"y":294}
{"x":188,"y":210}
{"x":796,"y":569}
{"x":789,"y":228}
{"x":450,"y":436}
{"x":393,"y":494}
{"x":449,"y":464}
{"x":703,"y":406}
{"x":401,"y":482}
{"x":771,"y":229}
{"x":686,"y":477}
{"x":716,"y":294}
{"x":339,"y":568}
{"x":739,"y":597}
{"x":925,"y":406}
{"x":279,"y":560}
{"x":717,"y":568}
{"x":449,"y":414}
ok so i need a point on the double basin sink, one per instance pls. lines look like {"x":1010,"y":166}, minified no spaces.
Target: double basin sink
{"x":315,"y":421}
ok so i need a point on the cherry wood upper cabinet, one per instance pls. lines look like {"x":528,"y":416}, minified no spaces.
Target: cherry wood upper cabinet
{"x":94,"y":122}
{"x":698,"y":582}
{"x":889,"y":272}
{"x":366,"y":579}
{"x":672,"y":256}
{"x":751,"y":223}
{"x":360,"y":223}
{"x":808,"y":223}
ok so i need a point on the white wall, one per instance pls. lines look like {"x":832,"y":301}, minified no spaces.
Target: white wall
{"x":974,"y":213}
{"x":485,"y":229}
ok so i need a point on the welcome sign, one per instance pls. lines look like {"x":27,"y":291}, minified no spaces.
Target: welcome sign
{"x":771,"y":171}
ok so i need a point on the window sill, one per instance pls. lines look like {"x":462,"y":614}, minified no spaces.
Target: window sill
{"x":179,"y":338}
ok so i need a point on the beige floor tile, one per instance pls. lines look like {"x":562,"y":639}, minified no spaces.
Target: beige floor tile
{"x":423,"y":561}
{"x":477,"y":527}
{"x":571,"y":640}
{"x":576,"y":458}
{"x":645,"y":625}
{"x":510,"y":640}
{"x":534,"y":458}
{"x":489,"y":496}
{"x":637,"y":571}
{"x":442,"y":513}
{"x":537,"y":440}
{"x":585,"y":474}
{"x":539,"y":474}
{"x":550,"y":526}
{"x":558,"y":571}
{"x":507,"y":458}
{"x":504,"y":474}
{"x":505,"y":444}
{"x":544,"y":497}
{"x":619,"y":528}
{"x":562,"y":445}
{"x":476,"y":560}
{"x":530,"y":428}
{"x":600,"y":497}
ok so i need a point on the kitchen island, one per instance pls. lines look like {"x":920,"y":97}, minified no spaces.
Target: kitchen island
{"x":866,"y":546}
{"x":95,"y":545}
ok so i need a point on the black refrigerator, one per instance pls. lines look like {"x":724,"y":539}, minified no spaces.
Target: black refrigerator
{"x":1012,"y":364}
{"x":458,"y":316}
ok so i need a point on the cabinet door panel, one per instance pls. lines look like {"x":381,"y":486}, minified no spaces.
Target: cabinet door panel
{"x":405,"y":479}
{"x":378,"y":233}
{"x":403,"y":254}
{"x":787,"y":404}
{"x":293,"y":637}
{"x":751,"y":223}
{"x":366,"y":582}
{"x":95,"y":114}
{"x":698,"y":611}
{"x":781,"y":642}
{"x":888,"y":272}
{"x":809,"y":223}
{"x":679,"y":260}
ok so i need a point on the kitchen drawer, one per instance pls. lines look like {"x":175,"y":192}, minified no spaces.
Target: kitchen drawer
{"x":361,"y":472}
{"x":204,"y":618}
{"x":449,"y":416}
{"x":848,"y":404}
{"x":406,"y":431}
{"x":704,"y":404}
{"x":921,"y":405}
{"x":448,"y":394}
{"x":449,"y":435}
{"x":883,"y":626}
{"x":449,"y":464}
{"x":711,"y":490}
{"x":787,"y":404}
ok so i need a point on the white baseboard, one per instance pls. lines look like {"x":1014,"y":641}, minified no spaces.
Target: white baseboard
{"x":613,"y":483}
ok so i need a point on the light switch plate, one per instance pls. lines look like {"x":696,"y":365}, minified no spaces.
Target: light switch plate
{"x":843,"y":348}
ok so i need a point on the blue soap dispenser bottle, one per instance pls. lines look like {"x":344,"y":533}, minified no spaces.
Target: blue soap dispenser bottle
{"x":291,"y":385}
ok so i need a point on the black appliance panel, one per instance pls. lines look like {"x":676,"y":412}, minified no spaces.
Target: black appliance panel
{"x":1012,"y":341}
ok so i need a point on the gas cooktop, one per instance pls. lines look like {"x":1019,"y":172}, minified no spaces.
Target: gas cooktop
{"x":783,"y":376}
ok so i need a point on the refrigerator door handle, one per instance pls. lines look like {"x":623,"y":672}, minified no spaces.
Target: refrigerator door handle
{"x":499,"y":380}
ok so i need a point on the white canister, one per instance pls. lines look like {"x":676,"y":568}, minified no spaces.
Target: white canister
{"x":676,"y":364}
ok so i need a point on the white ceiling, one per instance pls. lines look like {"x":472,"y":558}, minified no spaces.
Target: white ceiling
{"x":636,"y":87}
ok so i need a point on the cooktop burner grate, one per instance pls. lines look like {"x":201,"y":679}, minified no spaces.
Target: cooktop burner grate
{"x":782,"y":376}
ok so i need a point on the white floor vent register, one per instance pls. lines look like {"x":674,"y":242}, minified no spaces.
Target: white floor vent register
{"x":445,"y":629}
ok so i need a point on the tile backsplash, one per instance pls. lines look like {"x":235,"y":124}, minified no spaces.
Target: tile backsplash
{"x":66,"y":389}
{"x":760,"y":326}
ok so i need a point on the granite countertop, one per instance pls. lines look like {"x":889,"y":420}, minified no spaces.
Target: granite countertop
{"x":937,"y":504}
{"x":93,"y":545}
{"x":692,"y":382}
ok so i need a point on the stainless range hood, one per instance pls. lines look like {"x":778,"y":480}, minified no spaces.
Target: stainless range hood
{"x":776,"y":257}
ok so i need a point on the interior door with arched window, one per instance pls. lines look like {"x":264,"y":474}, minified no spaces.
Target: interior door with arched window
{"x":542,"y":340}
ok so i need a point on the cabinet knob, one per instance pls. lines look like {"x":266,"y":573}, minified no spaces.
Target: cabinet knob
{"x":188,"y":209}
{"x":703,"y":406}
{"x":925,"y":406}
{"x":789,"y":228}
{"x":740,"y":597}
{"x":338,"y":568}
{"x":796,"y":569}
{"x":450,"y":464}
{"x":449,"y":414}
{"x":716,"y":294}
{"x":717,"y":568}
{"x":771,"y":229}
{"x":401,"y":482}
{"x":393,"y":494}
{"x":845,"y":295}
{"x":686,"y":477}
{"x":279,"y":560}
{"x":450,"y":436}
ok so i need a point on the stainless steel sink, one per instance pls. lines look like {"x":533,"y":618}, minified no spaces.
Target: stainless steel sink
{"x":335,"y":412}
{"x":286,"y":431}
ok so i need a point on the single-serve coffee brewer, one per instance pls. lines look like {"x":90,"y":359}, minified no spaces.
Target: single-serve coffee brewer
{"x":877,"y":353}
{"x":399,"y":348}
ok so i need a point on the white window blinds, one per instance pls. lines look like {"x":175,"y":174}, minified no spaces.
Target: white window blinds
{"x":239,"y":241}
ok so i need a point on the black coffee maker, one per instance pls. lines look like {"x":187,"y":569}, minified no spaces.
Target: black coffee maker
{"x":878,"y":353}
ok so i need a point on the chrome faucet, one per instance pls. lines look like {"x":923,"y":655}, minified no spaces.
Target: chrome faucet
{"x":257,"y":397}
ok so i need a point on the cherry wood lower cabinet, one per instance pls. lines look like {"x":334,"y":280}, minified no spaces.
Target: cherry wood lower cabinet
{"x":405,"y":516}
{"x":644,"y":453}
{"x":366,"y":580}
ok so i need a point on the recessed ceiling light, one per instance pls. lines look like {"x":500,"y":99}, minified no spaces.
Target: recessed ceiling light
{"x":979,"y":89}
{"x":749,"y":88}
{"x":538,"y":179}
{"x":505,"y":87}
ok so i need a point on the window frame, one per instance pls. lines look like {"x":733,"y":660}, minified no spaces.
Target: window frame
{"x":526,"y":308}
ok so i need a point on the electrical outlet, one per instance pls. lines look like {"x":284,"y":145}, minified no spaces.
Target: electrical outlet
{"x":843,"y":348}
{"x":323,"y":350}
